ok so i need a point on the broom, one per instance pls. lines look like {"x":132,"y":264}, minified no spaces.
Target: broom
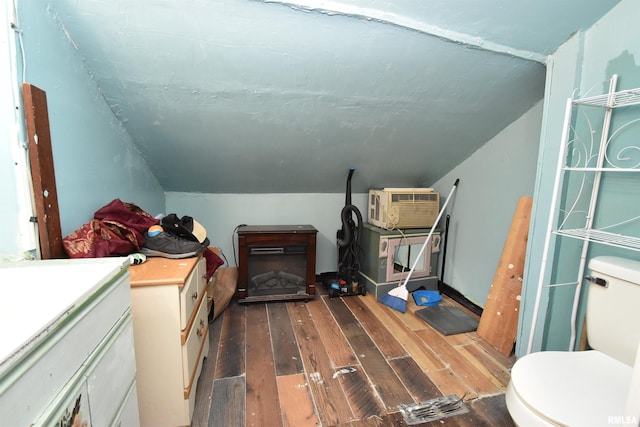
{"x":397,"y":298}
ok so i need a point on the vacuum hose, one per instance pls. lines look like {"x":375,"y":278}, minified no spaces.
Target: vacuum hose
{"x":347,"y":200}
{"x":348,"y":226}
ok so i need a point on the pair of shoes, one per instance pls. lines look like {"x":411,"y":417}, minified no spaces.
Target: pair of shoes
{"x":169,"y":245}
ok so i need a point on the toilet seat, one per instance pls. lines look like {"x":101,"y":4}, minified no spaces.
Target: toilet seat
{"x":582,"y":388}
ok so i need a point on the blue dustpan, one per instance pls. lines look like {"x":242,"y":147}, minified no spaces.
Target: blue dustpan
{"x":427,"y":298}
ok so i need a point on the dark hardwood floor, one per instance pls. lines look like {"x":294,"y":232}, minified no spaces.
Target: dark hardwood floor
{"x":342,"y":362}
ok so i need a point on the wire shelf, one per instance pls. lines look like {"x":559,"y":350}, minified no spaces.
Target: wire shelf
{"x":622,"y":98}
{"x":604,"y":237}
{"x":603,"y":169}
{"x":590,"y":159}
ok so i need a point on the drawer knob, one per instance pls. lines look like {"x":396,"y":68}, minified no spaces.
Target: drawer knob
{"x":195,"y":295}
{"x":200,"y":330}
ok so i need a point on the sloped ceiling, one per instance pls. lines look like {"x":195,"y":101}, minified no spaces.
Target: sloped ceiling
{"x":261,"y":96}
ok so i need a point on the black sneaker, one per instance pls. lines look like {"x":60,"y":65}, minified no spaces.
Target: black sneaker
{"x":170,"y":246}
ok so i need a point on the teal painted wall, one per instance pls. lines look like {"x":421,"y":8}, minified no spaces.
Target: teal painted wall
{"x":581,"y":67}
{"x":221,"y":213}
{"x":492,"y":181}
{"x":94,"y":158}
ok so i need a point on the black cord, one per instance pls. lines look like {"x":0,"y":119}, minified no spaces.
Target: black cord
{"x":233,"y":243}
{"x":224,"y":257}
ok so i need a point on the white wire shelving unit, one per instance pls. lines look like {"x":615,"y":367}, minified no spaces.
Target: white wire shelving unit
{"x":589,"y":162}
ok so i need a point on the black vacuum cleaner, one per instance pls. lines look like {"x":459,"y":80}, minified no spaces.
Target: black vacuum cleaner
{"x":346,"y":280}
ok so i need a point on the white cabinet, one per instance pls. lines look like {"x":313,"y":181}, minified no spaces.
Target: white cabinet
{"x":596,"y":195}
{"x":171,"y":337}
{"x":67,"y":343}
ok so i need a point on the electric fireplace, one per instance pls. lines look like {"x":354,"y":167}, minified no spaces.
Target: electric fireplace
{"x":276,"y":262}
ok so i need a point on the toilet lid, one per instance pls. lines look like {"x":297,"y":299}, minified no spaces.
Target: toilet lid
{"x":581,"y":388}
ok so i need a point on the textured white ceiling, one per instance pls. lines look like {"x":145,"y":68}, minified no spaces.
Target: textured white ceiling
{"x":244,"y":96}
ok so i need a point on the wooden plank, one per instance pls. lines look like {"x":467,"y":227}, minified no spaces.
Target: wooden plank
{"x":263,"y":405}
{"x":496,"y":375}
{"x":449,"y":383}
{"x":424,"y":356}
{"x":360,"y":392}
{"x":384,"y":339}
{"x":228,"y":403}
{"x":295,"y":401}
{"x":584,"y":341}
{"x":485,"y":412}
{"x":464,"y":369}
{"x":470,"y":419}
{"x":340,"y":352}
{"x":388,"y":420}
{"x":331,"y":402}
{"x":231,"y":356}
{"x":388,"y":385}
{"x":43,"y":174}
{"x":499,"y":321}
{"x":506,"y":361}
{"x":414,"y":379}
{"x":205,"y":382}
{"x":409,"y":318}
{"x":285,"y":347}
{"x":482,"y":358}
{"x":493,"y":410}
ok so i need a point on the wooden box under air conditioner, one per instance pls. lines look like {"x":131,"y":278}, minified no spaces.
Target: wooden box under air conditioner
{"x":393,"y":208}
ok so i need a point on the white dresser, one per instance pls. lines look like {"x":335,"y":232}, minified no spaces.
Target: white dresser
{"x":66,"y":346}
{"x":169,"y":308}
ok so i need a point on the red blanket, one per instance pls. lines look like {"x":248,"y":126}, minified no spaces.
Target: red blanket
{"x":116,"y":230}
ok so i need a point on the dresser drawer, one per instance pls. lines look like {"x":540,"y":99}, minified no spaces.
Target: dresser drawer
{"x":191,"y":349}
{"x":129,"y":415}
{"x":44,"y":370}
{"x":113,"y":375}
{"x":99,"y":389}
{"x":191,"y":292}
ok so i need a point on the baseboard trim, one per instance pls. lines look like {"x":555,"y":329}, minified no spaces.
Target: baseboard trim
{"x":459,"y":298}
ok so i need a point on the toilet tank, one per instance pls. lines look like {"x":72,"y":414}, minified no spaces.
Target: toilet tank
{"x":613,"y":310}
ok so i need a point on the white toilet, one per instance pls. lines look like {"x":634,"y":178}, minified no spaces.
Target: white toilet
{"x":599,"y":387}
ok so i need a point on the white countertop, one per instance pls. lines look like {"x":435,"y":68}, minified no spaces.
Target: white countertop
{"x":36,"y":295}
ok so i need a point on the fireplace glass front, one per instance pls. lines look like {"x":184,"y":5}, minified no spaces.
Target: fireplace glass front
{"x":277,"y":270}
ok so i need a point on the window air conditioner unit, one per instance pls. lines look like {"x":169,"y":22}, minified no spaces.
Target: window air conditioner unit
{"x":393,"y":208}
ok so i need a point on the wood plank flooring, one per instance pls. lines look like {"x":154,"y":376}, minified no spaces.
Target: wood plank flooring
{"x":342,"y":362}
